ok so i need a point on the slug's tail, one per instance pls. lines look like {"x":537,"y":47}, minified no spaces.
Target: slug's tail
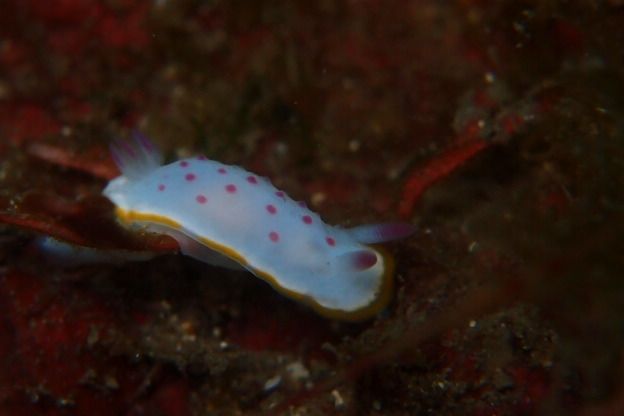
{"x":136,"y":158}
{"x":381,"y":233}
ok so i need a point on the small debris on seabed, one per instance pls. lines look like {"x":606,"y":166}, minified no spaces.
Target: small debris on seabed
{"x":318,"y":198}
{"x":297,"y":371}
{"x":272,"y":383}
{"x":339,"y":402}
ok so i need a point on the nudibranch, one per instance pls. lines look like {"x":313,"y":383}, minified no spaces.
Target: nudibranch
{"x":224,"y":215}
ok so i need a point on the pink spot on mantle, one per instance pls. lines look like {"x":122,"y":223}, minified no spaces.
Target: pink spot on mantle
{"x":307,"y":219}
{"x":364,"y":260}
{"x":273,"y":236}
{"x":222,"y":171}
{"x":230,"y":188}
{"x":184,"y":163}
{"x":302,"y":204}
{"x":271,"y":209}
{"x":330,"y":241}
{"x":280,"y":194}
{"x":190,"y":177}
{"x":252,"y":179}
{"x":201,"y":199}
{"x":161,"y":187}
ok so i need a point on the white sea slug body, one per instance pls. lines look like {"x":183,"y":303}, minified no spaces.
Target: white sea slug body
{"x":225,"y":215}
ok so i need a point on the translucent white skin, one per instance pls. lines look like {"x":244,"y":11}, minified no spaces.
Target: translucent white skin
{"x":316,"y":262}
{"x":65,"y":254}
